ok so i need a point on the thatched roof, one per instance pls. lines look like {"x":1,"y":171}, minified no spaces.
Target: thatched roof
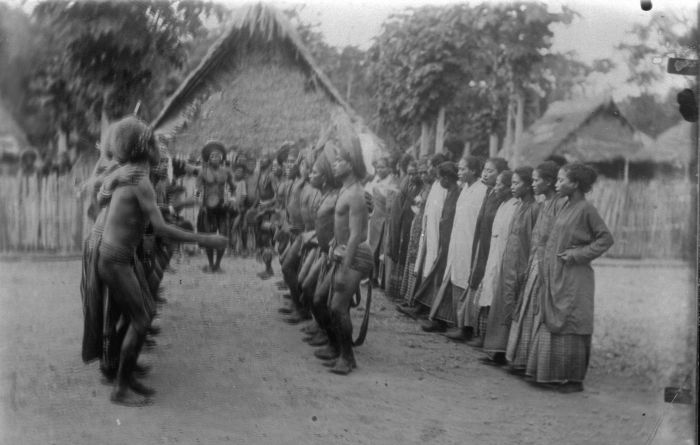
{"x":12,"y":138}
{"x":230,"y":84}
{"x":673,"y":146}
{"x":558,"y":131}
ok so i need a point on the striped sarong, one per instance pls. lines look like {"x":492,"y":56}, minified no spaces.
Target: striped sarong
{"x":524,"y":321}
{"x":558,"y":358}
{"x":91,"y":292}
{"x":482,"y":320}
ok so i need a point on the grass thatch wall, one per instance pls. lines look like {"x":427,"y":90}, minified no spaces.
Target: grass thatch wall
{"x":259,"y":101}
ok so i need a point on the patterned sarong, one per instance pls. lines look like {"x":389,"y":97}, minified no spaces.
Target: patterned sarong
{"x":558,"y":358}
{"x":91,"y":292}
{"x":524,"y":321}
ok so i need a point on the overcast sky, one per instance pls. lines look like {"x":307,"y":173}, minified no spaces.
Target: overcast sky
{"x":602,"y":25}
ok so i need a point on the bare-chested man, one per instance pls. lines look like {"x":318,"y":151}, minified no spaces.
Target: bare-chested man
{"x":304,"y":201}
{"x":106,"y":177}
{"x":264,"y":209}
{"x":294,"y":226}
{"x":131,"y":208}
{"x":211,"y":185}
{"x":352,"y":255}
{"x":316,"y":282}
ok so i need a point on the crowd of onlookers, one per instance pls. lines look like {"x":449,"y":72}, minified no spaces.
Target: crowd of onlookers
{"x":494,"y":257}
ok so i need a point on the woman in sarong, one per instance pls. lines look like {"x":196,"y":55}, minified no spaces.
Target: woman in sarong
{"x":382,"y":188}
{"x":468,"y":310}
{"x":399,"y":229}
{"x":562,"y":345}
{"x":513,"y":267}
{"x":446,"y":304}
{"x":430,"y":233}
{"x":447,"y":173}
{"x":410,"y":277}
{"x":544,"y":179}
{"x":490,"y":283}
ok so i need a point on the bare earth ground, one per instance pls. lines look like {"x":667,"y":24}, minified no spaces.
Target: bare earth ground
{"x":227,"y":370}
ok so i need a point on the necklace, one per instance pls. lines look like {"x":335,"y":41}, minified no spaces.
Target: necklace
{"x":345,"y":187}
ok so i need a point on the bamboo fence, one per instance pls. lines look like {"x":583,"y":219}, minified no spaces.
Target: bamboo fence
{"x":648,"y":219}
{"x":41,"y":214}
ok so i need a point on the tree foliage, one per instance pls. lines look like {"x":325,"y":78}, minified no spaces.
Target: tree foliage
{"x":106,"y":56}
{"x":471,"y":59}
{"x":645,"y":52}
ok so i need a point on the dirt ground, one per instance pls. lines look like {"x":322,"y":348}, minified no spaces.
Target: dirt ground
{"x":227,"y":370}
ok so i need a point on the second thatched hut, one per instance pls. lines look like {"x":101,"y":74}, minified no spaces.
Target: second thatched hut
{"x":257,"y":87}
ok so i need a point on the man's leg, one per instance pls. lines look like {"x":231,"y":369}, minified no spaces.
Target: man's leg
{"x":223,"y":229}
{"x":318,"y":302}
{"x":322,"y":314}
{"x":204,"y":225}
{"x":126,"y":289}
{"x":340,"y":317}
{"x":290,"y":271}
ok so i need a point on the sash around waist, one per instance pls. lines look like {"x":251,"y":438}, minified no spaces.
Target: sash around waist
{"x":116,"y":254}
{"x":363,"y":260}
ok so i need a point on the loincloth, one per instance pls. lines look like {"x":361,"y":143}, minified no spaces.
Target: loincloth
{"x":141,"y":303}
{"x":363,"y":261}
{"x":212,"y":220}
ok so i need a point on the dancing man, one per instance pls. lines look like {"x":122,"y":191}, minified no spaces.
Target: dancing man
{"x":211,"y":184}
{"x":131,"y":207}
{"x":352,"y":256}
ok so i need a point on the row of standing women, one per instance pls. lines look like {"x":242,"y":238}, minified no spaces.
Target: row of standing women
{"x":501,"y":260}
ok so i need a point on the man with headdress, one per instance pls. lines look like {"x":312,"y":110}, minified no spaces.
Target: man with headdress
{"x":283,"y":186}
{"x":211,"y":186}
{"x":107,"y":175}
{"x":296,"y":222}
{"x":239,"y":206}
{"x":131,"y":207}
{"x":315,"y":283}
{"x":310,"y":201}
{"x":263,"y":211}
{"x":351,"y":255}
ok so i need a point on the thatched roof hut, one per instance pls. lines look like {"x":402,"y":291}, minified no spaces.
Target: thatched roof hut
{"x":257,"y":87}
{"x":12,"y":138}
{"x":673,"y":147}
{"x":586,"y":130}
{"x":13,"y":142}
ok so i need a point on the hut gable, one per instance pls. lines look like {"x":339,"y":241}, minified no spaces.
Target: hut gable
{"x":257,"y":87}
{"x":589,"y":130}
